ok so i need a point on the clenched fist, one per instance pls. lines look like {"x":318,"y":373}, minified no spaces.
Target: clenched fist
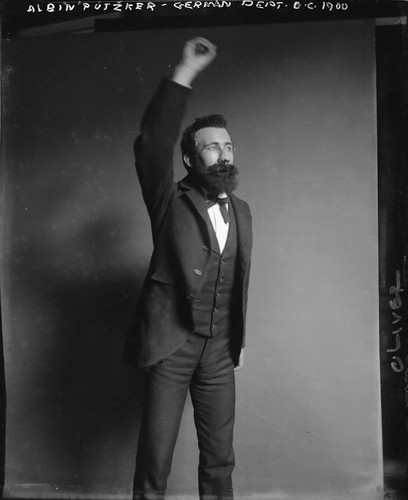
{"x":197,"y":54}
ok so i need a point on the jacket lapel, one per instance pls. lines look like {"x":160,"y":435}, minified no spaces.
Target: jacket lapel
{"x":197,"y":200}
{"x":244,"y":229}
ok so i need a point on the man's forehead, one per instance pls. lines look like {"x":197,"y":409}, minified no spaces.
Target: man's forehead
{"x":209,"y":135}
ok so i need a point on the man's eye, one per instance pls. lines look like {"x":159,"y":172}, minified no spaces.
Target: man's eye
{"x":213,"y":148}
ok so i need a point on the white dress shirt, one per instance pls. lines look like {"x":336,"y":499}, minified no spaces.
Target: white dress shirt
{"x":220,"y":227}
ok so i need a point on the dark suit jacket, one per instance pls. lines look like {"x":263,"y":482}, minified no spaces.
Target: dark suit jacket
{"x":181,"y":236}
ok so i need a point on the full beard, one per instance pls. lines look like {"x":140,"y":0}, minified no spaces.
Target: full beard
{"x":218,"y":178}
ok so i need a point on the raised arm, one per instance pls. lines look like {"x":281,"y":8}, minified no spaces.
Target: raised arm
{"x":161,"y":124}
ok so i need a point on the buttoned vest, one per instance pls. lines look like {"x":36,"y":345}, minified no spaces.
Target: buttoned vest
{"x":213,"y":309}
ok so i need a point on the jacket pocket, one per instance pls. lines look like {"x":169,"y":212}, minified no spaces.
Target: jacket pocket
{"x":162,"y":277}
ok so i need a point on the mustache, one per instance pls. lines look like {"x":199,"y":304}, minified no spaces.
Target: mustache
{"x":222,"y":168}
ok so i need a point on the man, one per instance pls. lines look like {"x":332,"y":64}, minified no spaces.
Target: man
{"x":188,"y":331}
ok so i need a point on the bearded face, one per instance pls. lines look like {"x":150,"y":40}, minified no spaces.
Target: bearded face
{"x":220,"y":177}
{"x":212,"y":164}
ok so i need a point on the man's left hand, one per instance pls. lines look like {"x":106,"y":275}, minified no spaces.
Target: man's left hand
{"x":240,"y":361}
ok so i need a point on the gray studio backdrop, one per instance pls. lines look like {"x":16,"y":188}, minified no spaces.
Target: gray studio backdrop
{"x":300,"y":102}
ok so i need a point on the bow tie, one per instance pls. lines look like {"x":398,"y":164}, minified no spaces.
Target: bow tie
{"x":222,"y":202}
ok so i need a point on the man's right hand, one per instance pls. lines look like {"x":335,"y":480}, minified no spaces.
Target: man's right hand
{"x":198,"y":53}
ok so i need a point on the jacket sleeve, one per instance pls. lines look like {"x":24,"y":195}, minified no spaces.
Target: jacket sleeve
{"x":154,"y":147}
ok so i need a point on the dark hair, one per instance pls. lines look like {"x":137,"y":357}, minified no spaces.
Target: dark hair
{"x":188,"y":144}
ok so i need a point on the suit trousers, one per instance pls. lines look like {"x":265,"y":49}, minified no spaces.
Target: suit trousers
{"x":203,"y":366}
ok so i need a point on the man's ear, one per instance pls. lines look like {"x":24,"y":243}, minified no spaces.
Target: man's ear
{"x":187,"y":160}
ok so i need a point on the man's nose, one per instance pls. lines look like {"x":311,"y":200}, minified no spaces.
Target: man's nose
{"x":225,"y":156}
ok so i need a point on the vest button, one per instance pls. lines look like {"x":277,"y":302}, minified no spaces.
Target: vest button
{"x":205,"y":248}
{"x":197,"y":272}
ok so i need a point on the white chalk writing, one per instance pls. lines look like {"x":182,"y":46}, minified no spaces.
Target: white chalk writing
{"x":397,"y":365}
{"x":91,"y":6}
{"x":122,"y":6}
{"x":396,"y":303}
{"x":199,"y":5}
